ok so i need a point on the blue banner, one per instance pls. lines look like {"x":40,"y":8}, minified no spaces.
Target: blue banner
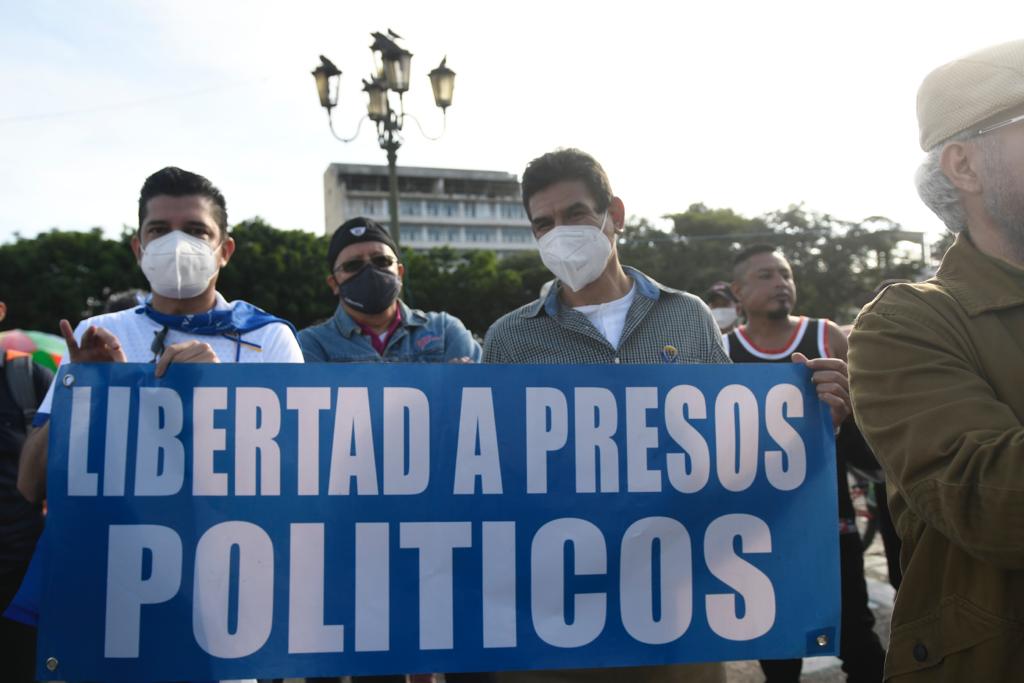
{"x":232,"y":521}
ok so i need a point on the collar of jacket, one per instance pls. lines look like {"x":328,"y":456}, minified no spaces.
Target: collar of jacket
{"x":979,"y":282}
{"x":349,"y":327}
{"x":550,"y":303}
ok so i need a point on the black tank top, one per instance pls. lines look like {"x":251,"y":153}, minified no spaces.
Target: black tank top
{"x":810,"y":339}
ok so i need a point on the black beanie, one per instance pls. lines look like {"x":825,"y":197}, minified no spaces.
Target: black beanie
{"x":358,"y":229}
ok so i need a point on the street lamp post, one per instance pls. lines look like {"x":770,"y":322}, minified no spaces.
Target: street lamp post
{"x":390,"y":77}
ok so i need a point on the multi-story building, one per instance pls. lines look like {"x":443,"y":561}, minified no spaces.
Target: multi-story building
{"x":437,"y":206}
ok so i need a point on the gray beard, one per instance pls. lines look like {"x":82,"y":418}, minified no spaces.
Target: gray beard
{"x":1004,"y":201}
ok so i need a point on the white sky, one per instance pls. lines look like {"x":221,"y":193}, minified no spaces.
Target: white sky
{"x":745,"y":105}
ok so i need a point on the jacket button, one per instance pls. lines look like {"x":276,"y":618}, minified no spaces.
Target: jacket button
{"x":920,"y":652}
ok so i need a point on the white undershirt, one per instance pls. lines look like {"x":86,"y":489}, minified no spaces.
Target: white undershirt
{"x":609,"y":318}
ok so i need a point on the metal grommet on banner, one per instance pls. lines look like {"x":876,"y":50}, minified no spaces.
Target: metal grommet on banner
{"x":820,"y":641}
{"x":51,"y":662}
{"x":68,"y":380}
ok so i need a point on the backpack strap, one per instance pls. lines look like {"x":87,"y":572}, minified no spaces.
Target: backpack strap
{"x":19,"y":371}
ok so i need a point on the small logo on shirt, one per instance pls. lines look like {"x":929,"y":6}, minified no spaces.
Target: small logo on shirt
{"x":669,"y":354}
{"x":425,"y":341}
{"x":358,"y":231}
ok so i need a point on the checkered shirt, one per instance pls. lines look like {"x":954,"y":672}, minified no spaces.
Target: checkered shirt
{"x":663,"y":325}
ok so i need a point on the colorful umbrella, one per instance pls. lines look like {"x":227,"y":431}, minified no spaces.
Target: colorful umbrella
{"x":46,"y":349}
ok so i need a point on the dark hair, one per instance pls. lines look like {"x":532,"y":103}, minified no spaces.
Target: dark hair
{"x":176,"y":182}
{"x":567,"y":164}
{"x":720,"y":290}
{"x":748,"y":253}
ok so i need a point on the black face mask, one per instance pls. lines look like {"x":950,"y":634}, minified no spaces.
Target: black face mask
{"x":371,"y":291}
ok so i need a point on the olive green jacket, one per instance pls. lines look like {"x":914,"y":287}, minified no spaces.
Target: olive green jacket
{"x":937,"y":381}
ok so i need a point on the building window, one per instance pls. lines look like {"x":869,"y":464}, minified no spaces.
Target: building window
{"x":410,"y":233}
{"x":454,"y":235}
{"x":480,"y":234}
{"x":411,"y":207}
{"x":433,"y":208}
{"x":451,"y":208}
{"x":520,"y":236}
{"x":470,"y":209}
{"x":512,"y":211}
{"x":435,"y":235}
{"x":369,"y":207}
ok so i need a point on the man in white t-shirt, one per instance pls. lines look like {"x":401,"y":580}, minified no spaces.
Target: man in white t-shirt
{"x":181,"y":245}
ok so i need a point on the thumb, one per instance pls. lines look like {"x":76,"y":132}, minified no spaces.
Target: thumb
{"x":799,"y":358}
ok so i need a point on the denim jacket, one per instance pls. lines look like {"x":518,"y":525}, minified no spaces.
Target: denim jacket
{"x":422,"y":337}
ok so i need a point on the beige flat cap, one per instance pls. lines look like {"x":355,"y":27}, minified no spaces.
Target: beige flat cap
{"x":969,"y":91}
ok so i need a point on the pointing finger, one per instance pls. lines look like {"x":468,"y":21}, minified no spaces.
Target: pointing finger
{"x":69,"y":335}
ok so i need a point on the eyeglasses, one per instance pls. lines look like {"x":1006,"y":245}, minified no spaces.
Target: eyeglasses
{"x":995,"y":126}
{"x":381,"y":261}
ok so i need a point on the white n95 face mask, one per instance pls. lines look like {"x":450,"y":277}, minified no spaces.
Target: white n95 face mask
{"x":178,"y":265}
{"x":576,"y":254}
{"x":725,"y":317}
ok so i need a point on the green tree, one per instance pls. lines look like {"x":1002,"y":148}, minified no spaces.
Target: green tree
{"x":477,"y":287}
{"x":698,"y":250}
{"x":281,"y":271}
{"x":942,"y":245}
{"x":53,"y":275}
{"x":836,"y":263}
